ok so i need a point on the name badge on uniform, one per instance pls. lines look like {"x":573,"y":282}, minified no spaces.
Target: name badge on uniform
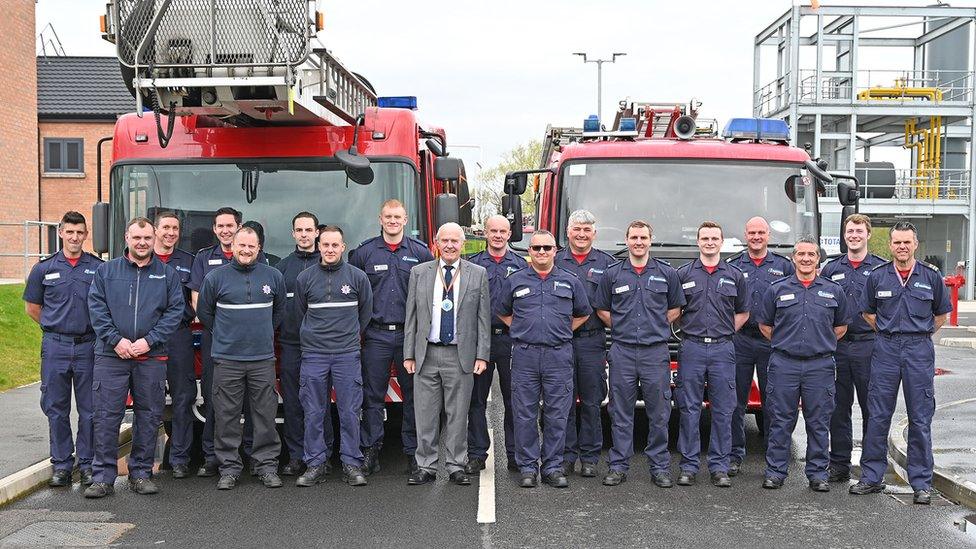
{"x":380,"y":268}
{"x":884,"y":293}
{"x":776,"y":272}
{"x":838,"y":276}
{"x":215,"y":262}
{"x":523,"y":291}
{"x":787,"y":297}
{"x":52,"y":276}
{"x":621,"y":289}
{"x":687,"y":285}
{"x":290,"y":295}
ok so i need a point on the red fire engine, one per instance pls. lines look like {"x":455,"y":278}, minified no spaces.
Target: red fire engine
{"x":660,"y":163}
{"x":248,"y":111}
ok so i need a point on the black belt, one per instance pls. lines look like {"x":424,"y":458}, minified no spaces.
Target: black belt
{"x":708,"y":340}
{"x":798,"y":357}
{"x":439,"y":344}
{"x":900,"y":335}
{"x":866,"y":336}
{"x":499,"y":331}
{"x":387,"y":327}
{"x":587,"y":333}
{"x":69,"y":338}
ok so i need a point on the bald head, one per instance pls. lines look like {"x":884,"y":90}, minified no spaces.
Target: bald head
{"x":757,"y":236}
{"x":497,"y":232}
{"x":450,"y":241}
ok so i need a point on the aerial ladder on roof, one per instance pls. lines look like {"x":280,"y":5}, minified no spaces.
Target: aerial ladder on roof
{"x":243,"y":62}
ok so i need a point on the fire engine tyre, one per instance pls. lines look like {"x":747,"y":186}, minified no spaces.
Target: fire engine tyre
{"x":760,"y":419}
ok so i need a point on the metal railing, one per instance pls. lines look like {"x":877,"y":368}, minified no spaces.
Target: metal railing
{"x":913,"y":185}
{"x":36,"y":236}
{"x":955,"y":86}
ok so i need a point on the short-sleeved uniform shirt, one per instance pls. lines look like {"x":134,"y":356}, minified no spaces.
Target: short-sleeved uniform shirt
{"x":841,"y":271}
{"x":908,"y":309}
{"x":639,"y":303}
{"x":497,"y":271}
{"x":543,"y":309}
{"x":803,"y":317}
{"x":389,"y":274}
{"x":713,"y":299}
{"x":590,"y":272}
{"x":772,"y":268}
{"x":62,"y":292}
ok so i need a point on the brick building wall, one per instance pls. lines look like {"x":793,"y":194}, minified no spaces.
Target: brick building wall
{"x":18,"y":131}
{"x":61,"y":192}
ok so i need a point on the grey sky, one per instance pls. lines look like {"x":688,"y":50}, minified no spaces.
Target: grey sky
{"x":494,"y":73}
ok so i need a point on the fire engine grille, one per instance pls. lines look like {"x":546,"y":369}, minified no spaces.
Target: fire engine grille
{"x":214,"y":33}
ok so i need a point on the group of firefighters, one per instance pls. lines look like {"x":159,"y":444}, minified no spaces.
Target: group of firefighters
{"x":859,"y":326}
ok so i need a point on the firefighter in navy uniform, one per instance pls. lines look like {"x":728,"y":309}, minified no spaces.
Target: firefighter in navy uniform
{"x":803,"y":316}
{"x":135,"y":303}
{"x":542,"y":305}
{"x":585,"y":441}
{"x":718,"y":304}
{"x":335,"y":301}
{"x":181,"y":375}
{"x":56,"y":298}
{"x":639,"y":298}
{"x":499,"y":261}
{"x":305,"y":231}
{"x":906,"y":301}
{"x":854,"y":350}
{"x":761,"y":268}
{"x":387,"y":260}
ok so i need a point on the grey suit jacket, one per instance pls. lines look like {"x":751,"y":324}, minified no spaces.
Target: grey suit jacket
{"x":473,"y":319}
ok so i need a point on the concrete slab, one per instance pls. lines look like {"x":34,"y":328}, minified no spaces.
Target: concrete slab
{"x":66,"y":534}
{"x":966,"y":342}
{"x":24,"y":429}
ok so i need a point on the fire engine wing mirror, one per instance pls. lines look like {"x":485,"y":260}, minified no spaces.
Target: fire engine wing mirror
{"x":446,"y":207}
{"x":512,"y":210}
{"x":100,"y":217}
{"x":447,"y":168}
{"x":845,"y":212}
{"x":357,"y":166}
{"x":848,"y":193}
{"x":516,"y":182}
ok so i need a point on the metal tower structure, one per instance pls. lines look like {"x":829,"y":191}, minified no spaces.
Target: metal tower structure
{"x":895,"y":80}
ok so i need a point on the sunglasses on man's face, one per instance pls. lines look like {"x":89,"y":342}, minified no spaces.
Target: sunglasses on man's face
{"x":541,"y":248}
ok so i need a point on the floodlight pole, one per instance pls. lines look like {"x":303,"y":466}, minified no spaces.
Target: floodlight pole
{"x":599,"y":77}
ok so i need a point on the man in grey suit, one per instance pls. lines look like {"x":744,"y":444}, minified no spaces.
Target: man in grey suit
{"x":447,"y":338}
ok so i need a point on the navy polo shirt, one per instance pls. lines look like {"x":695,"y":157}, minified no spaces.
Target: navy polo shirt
{"x":62,"y":292}
{"x":497,"y":271}
{"x":908,"y":309}
{"x":639,"y":303}
{"x":803,"y":318}
{"x":590,"y":272}
{"x":841,"y":271}
{"x":772,"y":268}
{"x":713,"y":299}
{"x":542,"y":310}
{"x":182,"y":262}
{"x":389,"y":274}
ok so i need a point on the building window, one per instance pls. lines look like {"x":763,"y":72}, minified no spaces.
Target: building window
{"x":64,"y":155}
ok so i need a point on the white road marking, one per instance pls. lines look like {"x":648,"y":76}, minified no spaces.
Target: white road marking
{"x":486,"y":482}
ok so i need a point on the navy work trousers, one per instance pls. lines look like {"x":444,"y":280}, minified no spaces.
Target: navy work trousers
{"x":66,"y":365}
{"x":320,"y":373}
{"x":699,"y":363}
{"x":648,"y":368}
{"x":541,"y":373}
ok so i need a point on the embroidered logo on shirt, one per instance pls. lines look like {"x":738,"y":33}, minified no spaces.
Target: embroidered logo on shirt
{"x":411,"y":259}
{"x":922,"y":286}
{"x":828,"y":295}
{"x":89,"y":272}
{"x":725,"y":281}
{"x":266,"y":289}
{"x":157,"y":276}
{"x":745,"y":275}
{"x":558,"y":284}
{"x":510,"y":270}
{"x":657,"y":278}
{"x":345,"y":289}
{"x":178,"y":268}
{"x":838,"y":276}
{"x":591,"y":272}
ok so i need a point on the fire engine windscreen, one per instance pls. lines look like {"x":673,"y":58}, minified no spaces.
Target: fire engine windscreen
{"x":279,"y":189}
{"x":675,"y":196}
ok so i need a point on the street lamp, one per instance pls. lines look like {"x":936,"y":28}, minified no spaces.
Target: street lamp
{"x":599,"y":76}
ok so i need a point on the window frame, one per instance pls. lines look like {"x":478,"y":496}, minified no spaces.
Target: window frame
{"x":63,"y":143}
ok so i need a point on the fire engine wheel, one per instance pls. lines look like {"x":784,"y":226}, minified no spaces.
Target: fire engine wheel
{"x":760,"y":419}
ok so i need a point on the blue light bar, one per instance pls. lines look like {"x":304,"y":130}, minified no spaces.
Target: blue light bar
{"x":397,"y":102}
{"x":592,"y":123}
{"x":759,"y":129}
{"x":628,"y":124}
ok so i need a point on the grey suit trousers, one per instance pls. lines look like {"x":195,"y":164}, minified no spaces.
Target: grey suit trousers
{"x":233,"y":382}
{"x":441,"y":386}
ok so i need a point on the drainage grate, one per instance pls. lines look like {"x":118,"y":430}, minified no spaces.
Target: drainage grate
{"x":74,"y":534}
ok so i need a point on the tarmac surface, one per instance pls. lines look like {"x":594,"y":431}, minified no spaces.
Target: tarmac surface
{"x":23,"y":431}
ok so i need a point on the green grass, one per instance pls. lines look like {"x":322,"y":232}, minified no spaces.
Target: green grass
{"x":20,"y":340}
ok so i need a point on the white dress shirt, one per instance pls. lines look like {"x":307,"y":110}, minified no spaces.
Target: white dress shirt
{"x":434,"y":336}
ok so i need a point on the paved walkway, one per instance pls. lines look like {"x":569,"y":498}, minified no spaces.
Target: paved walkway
{"x":23,"y":431}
